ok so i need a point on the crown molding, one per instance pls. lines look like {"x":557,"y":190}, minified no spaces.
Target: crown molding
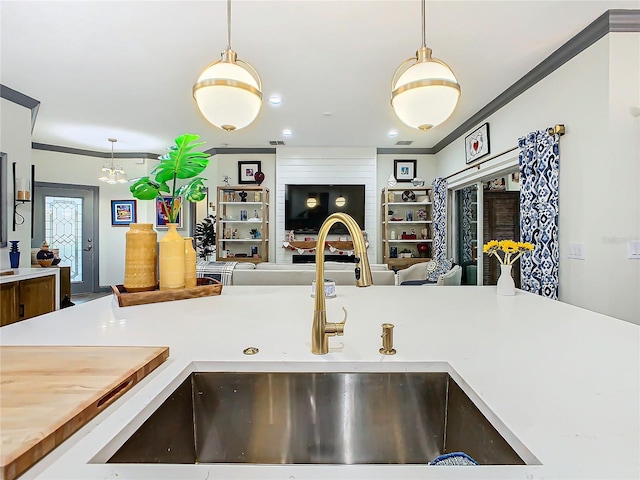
{"x":91,"y":153}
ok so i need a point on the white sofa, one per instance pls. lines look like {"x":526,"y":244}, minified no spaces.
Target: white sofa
{"x":267,"y":273}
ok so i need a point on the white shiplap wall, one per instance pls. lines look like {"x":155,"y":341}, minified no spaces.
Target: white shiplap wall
{"x":326,"y":166}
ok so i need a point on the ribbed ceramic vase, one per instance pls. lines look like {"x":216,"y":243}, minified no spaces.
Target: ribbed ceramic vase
{"x":506,"y":285}
{"x":141,"y":258}
{"x":14,"y":254}
{"x":189,"y":263}
{"x":171,"y":259}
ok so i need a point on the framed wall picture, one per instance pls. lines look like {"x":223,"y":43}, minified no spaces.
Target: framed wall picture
{"x":476,"y":144}
{"x":123,"y":212}
{"x":405,"y":170}
{"x":161,"y":216}
{"x":246,"y":171}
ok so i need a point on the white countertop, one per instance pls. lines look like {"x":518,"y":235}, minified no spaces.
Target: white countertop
{"x":27,"y":273}
{"x":564,"y":381}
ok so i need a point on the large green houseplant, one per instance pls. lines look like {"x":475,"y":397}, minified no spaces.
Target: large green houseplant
{"x":180,"y":162}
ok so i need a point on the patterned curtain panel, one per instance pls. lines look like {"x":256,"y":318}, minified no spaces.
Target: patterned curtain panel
{"x":539,"y":164}
{"x":439,"y":218}
{"x":467,"y":197}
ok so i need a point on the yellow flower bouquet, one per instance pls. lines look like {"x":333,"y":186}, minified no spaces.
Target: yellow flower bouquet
{"x":511,"y":250}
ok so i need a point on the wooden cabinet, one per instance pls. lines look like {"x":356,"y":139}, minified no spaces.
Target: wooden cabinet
{"x":407,"y":225}
{"x":242,"y":224}
{"x":9,"y":303}
{"x":27,"y":298}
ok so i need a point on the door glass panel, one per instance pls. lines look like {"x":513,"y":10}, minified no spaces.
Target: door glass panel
{"x":63,"y":230}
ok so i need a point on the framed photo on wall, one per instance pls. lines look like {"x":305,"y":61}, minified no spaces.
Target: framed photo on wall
{"x":161,"y":216}
{"x":405,"y":170}
{"x":246,"y":171}
{"x":123,"y":212}
{"x":476,"y":144}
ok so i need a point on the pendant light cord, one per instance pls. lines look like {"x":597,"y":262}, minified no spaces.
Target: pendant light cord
{"x":229,"y":24}
{"x":424,"y":26}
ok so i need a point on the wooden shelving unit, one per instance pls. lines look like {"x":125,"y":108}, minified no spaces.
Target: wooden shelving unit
{"x":233,"y":228}
{"x":406,"y":211}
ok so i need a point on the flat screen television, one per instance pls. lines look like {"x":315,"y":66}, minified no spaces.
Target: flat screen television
{"x":307,"y":206}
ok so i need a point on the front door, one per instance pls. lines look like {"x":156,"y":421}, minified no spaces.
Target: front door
{"x":64,"y":216}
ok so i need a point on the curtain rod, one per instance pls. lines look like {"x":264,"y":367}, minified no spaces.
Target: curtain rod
{"x":557,"y":129}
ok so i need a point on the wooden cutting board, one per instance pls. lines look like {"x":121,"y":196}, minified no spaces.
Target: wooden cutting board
{"x":49,"y":392}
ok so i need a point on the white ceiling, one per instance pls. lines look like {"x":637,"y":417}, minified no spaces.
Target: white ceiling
{"x":125,"y":69}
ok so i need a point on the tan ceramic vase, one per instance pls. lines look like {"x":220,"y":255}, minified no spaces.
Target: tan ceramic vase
{"x":171,"y":259}
{"x":189,"y":263}
{"x":141,"y":258}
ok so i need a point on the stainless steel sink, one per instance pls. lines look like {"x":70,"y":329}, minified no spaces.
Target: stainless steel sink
{"x":315,"y":418}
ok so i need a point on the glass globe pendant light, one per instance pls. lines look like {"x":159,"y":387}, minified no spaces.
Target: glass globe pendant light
{"x":229,"y":92}
{"x":424,"y":90}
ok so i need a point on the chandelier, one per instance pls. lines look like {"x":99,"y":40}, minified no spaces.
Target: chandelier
{"x":111,"y":173}
{"x":424,"y":90}
{"x":229,"y":92}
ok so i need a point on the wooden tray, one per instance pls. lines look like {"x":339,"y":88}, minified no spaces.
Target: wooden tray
{"x":207,"y":287}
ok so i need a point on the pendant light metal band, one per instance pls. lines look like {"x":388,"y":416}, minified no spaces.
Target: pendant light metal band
{"x":225,"y":82}
{"x":424,"y":83}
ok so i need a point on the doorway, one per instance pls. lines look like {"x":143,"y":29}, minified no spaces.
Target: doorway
{"x":501,"y":220}
{"x":66,"y":216}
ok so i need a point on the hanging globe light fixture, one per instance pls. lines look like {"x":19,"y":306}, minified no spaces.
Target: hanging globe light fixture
{"x":229,"y":92}
{"x":424,"y":90}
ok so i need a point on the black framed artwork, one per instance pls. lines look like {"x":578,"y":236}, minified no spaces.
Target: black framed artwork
{"x":247,"y":170}
{"x":476,"y":144}
{"x":405,"y":170}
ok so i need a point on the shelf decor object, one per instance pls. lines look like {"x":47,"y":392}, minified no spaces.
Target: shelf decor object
{"x":424,"y":90}
{"x":229,"y":91}
{"x":476,"y":144}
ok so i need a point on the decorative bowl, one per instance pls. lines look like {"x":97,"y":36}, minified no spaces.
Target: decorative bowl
{"x":45,"y":262}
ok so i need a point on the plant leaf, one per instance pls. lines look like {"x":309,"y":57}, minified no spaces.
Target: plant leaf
{"x":181,"y":161}
{"x":145,"y":189}
{"x":192,"y":191}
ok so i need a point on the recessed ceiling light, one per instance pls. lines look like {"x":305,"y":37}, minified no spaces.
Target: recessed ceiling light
{"x":286,"y":132}
{"x":326,"y":114}
{"x":275,"y":100}
{"x":392,"y":133}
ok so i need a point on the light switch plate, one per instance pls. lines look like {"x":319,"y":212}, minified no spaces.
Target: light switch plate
{"x":633,"y":250}
{"x":577,"y":251}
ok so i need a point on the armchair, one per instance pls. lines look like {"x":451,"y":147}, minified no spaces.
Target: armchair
{"x":418,"y":274}
{"x":452,"y":277}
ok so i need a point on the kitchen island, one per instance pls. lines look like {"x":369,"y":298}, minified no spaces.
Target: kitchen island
{"x":562,"y":380}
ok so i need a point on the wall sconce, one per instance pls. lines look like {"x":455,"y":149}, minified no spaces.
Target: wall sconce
{"x":22,"y":194}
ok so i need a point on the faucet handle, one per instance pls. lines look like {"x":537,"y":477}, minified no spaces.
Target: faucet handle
{"x":337,"y":328}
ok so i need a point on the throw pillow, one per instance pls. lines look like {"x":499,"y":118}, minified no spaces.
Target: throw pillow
{"x":442,"y":267}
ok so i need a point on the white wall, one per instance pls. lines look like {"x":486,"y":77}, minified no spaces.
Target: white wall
{"x":55,"y":167}
{"x":592,"y":95}
{"x":326,"y":166}
{"x":15,"y":141}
